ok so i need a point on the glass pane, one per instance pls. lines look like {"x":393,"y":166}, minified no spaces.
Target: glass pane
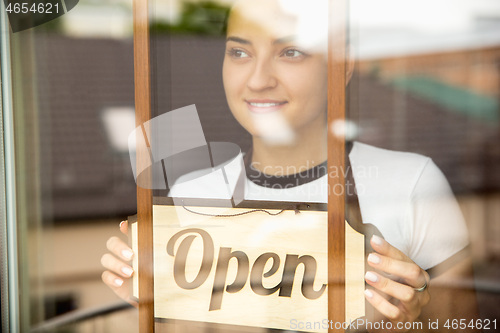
{"x":73,"y":106}
{"x":427,"y":82}
{"x":239,"y":141}
{"x":422,"y":134}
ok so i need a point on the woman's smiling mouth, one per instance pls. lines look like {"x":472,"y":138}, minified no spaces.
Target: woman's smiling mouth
{"x":264,"y":106}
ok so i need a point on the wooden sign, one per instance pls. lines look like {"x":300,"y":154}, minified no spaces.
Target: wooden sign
{"x":252,"y":270}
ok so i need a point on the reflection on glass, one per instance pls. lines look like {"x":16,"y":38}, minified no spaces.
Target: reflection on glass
{"x":425,"y":81}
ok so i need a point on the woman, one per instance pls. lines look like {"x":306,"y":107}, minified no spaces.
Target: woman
{"x":275,"y":80}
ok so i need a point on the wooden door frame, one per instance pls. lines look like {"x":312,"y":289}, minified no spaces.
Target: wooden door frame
{"x":337,"y":78}
{"x":142,"y":81}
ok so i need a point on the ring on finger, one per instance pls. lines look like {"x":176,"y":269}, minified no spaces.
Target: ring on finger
{"x":421,"y":288}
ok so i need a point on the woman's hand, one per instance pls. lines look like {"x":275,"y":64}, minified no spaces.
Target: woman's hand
{"x":118,"y":273}
{"x":400,"y":293}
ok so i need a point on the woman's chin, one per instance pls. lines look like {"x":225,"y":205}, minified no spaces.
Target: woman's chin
{"x":273,"y":129}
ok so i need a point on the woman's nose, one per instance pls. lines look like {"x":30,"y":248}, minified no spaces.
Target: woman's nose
{"x":263,"y":76}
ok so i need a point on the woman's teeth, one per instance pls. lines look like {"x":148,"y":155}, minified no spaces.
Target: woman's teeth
{"x":265,"y":105}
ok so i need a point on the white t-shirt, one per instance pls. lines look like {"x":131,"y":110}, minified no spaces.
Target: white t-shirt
{"x":404,"y":195}
{"x":409,"y":200}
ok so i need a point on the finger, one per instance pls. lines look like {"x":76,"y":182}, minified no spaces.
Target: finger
{"x":119,"y":286}
{"x":384,"y":248}
{"x":402,"y":292}
{"x":117,"y":266}
{"x":112,"y":280}
{"x":124,"y":227}
{"x":119,"y":248}
{"x":382,"y":305}
{"x":410,"y":272}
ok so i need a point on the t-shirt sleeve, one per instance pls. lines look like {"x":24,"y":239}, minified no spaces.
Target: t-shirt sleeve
{"x":439,"y":229}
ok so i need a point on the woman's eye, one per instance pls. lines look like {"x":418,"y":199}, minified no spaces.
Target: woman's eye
{"x":293,"y":53}
{"x":237,"y":53}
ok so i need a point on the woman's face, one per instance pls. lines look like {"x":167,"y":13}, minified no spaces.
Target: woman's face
{"x":276,"y":86}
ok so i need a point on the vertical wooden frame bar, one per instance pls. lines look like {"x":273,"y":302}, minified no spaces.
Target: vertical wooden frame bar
{"x":144,"y":196}
{"x":336,"y":161}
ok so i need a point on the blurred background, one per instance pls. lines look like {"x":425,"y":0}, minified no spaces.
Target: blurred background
{"x":427,"y":80}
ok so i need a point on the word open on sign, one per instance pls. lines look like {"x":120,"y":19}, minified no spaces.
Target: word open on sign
{"x":243,"y":270}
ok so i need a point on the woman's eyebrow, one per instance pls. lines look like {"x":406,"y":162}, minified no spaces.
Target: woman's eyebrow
{"x":238,"y":40}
